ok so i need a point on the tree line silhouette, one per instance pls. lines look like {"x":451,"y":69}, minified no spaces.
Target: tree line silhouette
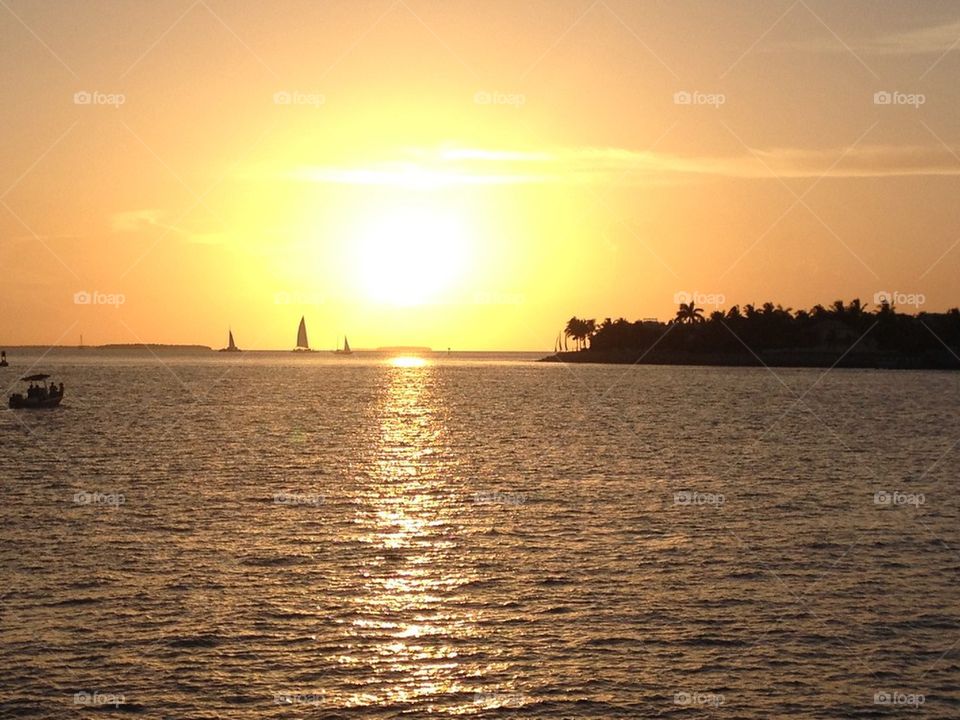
{"x":921,"y":340}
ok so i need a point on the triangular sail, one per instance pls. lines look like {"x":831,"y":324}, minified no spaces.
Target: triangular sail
{"x":231,"y":345}
{"x":302,"y":335}
{"x":346,"y":344}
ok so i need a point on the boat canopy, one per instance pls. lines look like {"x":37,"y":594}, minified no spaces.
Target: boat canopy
{"x":34,"y":378}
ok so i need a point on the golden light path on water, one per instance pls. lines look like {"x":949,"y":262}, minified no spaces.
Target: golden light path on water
{"x":411,"y":520}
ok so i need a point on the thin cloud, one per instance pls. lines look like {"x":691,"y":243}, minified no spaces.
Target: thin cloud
{"x":932,"y":40}
{"x":151,"y":219}
{"x":477,"y":166}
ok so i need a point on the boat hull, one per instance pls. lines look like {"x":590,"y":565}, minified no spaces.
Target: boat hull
{"x":19,"y":402}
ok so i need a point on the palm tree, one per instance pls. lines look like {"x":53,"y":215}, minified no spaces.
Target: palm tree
{"x":689,"y":313}
{"x":580,"y":330}
{"x":589,"y":328}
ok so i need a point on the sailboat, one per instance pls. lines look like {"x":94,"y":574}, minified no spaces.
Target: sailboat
{"x":3,"y":359}
{"x":346,"y":348}
{"x":302,"y":344}
{"x":231,"y":346}
{"x":558,"y":346}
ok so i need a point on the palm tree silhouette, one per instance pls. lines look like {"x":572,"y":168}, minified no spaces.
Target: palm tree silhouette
{"x":689,"y":313}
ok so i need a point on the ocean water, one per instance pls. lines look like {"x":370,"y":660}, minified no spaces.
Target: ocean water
{"x":279,"y":536}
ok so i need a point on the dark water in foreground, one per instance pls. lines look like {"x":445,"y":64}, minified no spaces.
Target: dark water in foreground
{"x":269,"y":536}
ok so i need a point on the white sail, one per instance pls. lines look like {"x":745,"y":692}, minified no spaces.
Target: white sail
{"x":302,"y":335}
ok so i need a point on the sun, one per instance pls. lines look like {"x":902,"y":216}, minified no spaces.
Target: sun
{"x":411,"y":254}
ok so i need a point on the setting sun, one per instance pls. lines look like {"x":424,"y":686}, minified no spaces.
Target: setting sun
{"x":410,"y":254}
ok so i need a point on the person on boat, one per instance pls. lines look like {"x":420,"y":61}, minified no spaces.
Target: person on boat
{"x":32,"y":390}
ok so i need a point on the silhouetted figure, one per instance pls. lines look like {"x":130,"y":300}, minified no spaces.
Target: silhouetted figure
{"x":61,"y":389}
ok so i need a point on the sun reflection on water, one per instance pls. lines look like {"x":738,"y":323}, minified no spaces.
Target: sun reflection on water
{"x":411,"y":623}
{"x":408,"y":361}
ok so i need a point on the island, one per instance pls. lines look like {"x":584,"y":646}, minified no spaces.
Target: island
{"x":840,"y":335}
{"x":404,"y":349}
{"x":154,"y":346}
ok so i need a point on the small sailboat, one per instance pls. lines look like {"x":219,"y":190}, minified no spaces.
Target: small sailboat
{"x":3,"y":359}
{"x":346,"y":348}
{"x":303,"y":344}
{"x":231,"y":345}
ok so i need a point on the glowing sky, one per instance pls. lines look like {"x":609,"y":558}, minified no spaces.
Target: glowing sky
{"x":465,"y":174}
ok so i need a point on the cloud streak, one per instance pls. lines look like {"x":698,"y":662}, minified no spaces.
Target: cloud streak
{"x":477,"y":166}
{"x":932,"y":40}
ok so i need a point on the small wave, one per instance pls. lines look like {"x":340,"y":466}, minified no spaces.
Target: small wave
{"x":273,"y":561}
{"x":195,"y":641}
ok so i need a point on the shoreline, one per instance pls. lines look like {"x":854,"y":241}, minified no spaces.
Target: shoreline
{"x":777,"y":358}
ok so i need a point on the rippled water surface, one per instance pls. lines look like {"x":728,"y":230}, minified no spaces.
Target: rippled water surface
{"x":279,"y":536}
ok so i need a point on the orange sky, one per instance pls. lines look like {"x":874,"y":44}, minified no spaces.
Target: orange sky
{"x":465,"y":174}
